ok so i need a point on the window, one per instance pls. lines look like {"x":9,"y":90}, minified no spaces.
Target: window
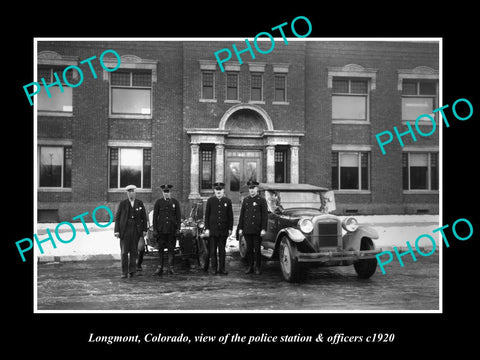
{"x":208,"y":85}
{"x":55,"y":164}
{"x":131,"y":92}
{"x":232,"y":86}
{"x":418,"y":98}
{"x":59,"y":101}
{"x":280,"y":166}
{"x":349,"y":99}
{"x":420,"y":170}
{"x":130,"y":166}
{"x":256,"y":87}
{"x":206,"y":169}
{"x":280,"y":94}
{"x":350,"y":170}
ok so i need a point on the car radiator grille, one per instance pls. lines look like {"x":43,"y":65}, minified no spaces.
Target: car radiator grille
{"x":327,"y":234}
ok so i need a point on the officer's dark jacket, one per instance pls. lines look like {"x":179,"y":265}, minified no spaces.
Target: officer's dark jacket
{"x":167,"y":217}
{"x":253,"y":215}
{"x":218,"y":216}
{"x":139,"y":215}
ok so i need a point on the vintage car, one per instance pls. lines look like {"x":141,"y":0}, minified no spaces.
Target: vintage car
{"x":301,"y":233}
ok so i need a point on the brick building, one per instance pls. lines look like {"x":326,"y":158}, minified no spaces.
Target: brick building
{"x":306,"y":112}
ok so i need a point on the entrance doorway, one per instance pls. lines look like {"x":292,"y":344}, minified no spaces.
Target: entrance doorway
{"x":241,"y":166}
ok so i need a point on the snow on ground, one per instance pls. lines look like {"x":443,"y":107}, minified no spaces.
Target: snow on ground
{"x":393,"y":230}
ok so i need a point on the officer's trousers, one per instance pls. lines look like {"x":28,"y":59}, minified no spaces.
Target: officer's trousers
{"x":217,"y":242}
{"x":253,"y":250}
{"x":166,"y":241}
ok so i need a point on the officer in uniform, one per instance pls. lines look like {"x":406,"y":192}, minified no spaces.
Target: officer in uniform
{"x":166,"y":225}
{"x":252,"y":224}
{"x":130,"y":226}
{"x":218,"y":226}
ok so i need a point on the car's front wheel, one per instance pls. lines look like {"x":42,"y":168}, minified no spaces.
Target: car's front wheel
{"x":291,"y":269}
{"x":366,"y":268}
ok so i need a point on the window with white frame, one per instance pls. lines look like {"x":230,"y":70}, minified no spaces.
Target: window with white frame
{"x":419,"y":97}
{"x":350,"y":170}
{"x":130,"y":166}
{"x":420,"y":170}
{"x":349,"y":99}
{"x":131,"y":92}
{"x":60,"y":99}
{"x":55,"y":166}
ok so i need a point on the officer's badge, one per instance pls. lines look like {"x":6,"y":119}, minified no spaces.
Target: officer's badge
{"x":254,"y":203}
{"x":173,"y":205}
{"x":225,"y":204}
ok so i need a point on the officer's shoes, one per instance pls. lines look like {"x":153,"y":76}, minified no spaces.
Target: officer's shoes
{"x":158,"y":272}
{"x":124,"y":276}
{"x":258,"y":271}
{"x":213,"y":272}
{"x":171,"y":272}
{"x":223,"y":272}
{"x":249,"y":270}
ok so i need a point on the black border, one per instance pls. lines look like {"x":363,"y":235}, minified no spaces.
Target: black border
{"x":415,"y":333}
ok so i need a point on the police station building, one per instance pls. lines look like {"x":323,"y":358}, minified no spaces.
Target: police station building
{"x":307,"y":112}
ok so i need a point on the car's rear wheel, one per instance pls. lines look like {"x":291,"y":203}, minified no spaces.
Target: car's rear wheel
{"x":366,"y":268}
{"x":291,"y":269}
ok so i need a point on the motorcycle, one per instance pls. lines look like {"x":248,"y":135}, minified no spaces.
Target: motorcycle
{"x":190,"y":241}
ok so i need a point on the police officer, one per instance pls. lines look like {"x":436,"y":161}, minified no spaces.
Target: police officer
{"x":166,"y":225}
{"x":252,"y":224}
{"x":130,"y":226}
{"x":218,"y":226}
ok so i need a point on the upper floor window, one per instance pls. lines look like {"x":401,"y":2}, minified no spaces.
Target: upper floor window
{"x":349,"y":99}
{"x":256,"y":87}
{"x":280,"y":94}
{"x":131,"y":92}
{"x":60,"y":99}
{"x":208,"y":85}
{"x":418,"y":98}
{"x":232,"y":86}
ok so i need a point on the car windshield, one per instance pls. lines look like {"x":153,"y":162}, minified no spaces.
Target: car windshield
{"x":293,"y":199}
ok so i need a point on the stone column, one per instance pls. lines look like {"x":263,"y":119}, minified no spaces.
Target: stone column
{"x":219,"y":163}
{"x":194,"y":171}
{"x":270,"y":163}
{"x":294,"y":164}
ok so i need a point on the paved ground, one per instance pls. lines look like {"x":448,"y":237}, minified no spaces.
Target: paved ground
{"x":96,"y":285}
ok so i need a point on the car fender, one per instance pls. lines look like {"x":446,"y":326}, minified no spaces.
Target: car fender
{"x":293,"y":234}
{"x":351,"y":240}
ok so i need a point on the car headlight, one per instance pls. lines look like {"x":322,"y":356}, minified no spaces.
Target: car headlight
{"x":201,"y":225}
{"x":350,"y":224}
{"x":305,"y":225}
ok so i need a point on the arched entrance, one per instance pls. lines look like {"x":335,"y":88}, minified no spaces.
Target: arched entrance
{"x":244,"y":155}
{"x":245,"y":146}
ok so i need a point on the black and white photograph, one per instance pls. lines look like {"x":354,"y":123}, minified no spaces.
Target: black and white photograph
{"x":282,"y":134}
{"x":221,"y":181}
